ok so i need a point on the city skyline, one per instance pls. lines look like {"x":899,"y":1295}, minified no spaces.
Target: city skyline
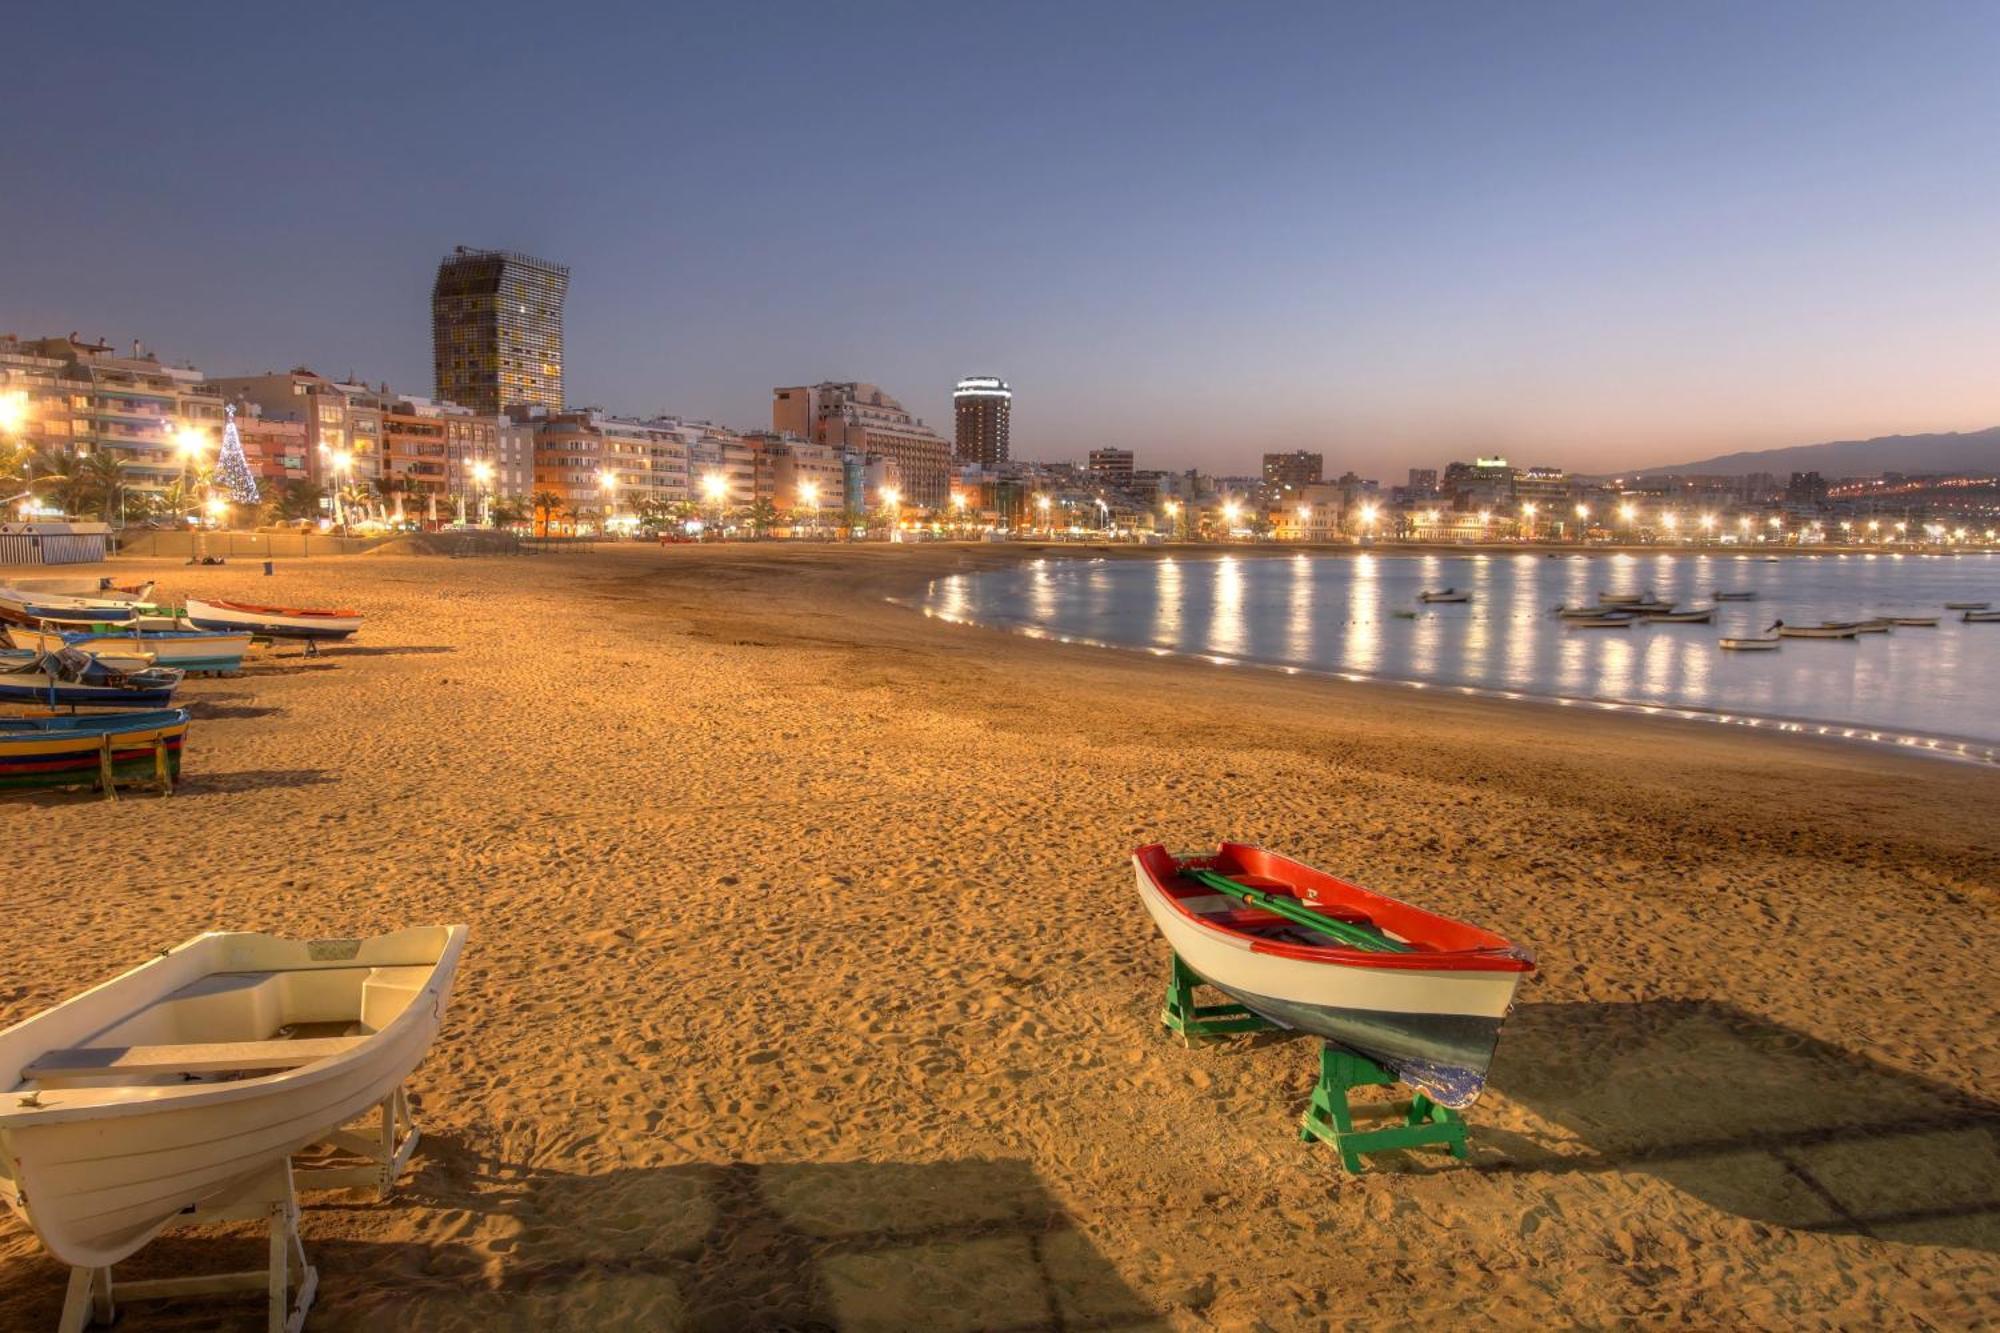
{"x":1597,"y":241}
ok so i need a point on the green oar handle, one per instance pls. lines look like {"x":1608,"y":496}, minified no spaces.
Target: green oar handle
{"x":1357,"y":936}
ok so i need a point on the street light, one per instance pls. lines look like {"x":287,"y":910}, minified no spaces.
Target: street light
{"x":1230,"y":511}
{"x":1305,"y":519}
{"x":607,"y":485}
{"x":342,"y":461}
{"x":809,"y":497}
{"x":482,"y":476}
{"x":13,"y":410}
{"x":1042,"y":503}
{"x":892,"y":500}
{"x":1173,"y":510}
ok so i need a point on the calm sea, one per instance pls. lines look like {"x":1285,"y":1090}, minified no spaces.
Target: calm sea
{"x":1937,"y":688}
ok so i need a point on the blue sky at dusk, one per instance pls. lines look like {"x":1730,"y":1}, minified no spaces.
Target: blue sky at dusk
{"x":1596,"y":235}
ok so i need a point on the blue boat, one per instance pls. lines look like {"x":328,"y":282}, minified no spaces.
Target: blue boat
{"x":191,"y":650}
{"x":71,"y":751}
{"x":68,"y":678}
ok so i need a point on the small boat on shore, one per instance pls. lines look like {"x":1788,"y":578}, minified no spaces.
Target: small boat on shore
{"x":1421,"y":994}
{"x":274,"y":622}
{"x":1444,"y":595}
{"x":1968,"y":606}
{"x":1741,"y":595}
{"x":53,"y":752}
{"x":1694,"y":615}
{"x":1751,"y":645}
{"x":70,"y":679}
{"x":26,"y":607}
{"x":166,"y":1088}
{"x":190,"y":650}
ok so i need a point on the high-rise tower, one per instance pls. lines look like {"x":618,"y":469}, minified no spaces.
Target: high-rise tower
{"x":497,"y":330}
{"x":982,"y":406}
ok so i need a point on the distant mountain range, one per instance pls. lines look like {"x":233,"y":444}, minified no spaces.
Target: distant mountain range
{"x":1972,"y":451}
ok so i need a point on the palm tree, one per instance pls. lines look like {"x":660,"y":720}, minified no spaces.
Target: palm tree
{"x":103,"y":474}
{"x":762,"y":517}
{"x":299,"y":499}
{"x":547,"y":504}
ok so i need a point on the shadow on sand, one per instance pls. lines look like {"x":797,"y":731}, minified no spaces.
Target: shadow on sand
{"x":1754,"y":1118}
{"x":850,"y":1246}
{"x":250,"y":779}
{"x":424,"y":650}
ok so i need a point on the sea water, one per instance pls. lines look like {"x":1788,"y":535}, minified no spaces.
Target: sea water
{"x":1349,"y":615}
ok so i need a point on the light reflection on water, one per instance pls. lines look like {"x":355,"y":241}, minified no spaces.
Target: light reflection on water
{"x":1340,"y":614}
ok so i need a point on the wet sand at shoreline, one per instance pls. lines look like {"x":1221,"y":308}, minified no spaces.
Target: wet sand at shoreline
{"x":808,"y":988}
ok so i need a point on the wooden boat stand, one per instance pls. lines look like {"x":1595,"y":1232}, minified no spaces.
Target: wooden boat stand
{"x":1329,"y":1119}
{"x":1328,"y":1116}
{"x":163,"y":769}
{"x":94,"y":1293}
{"x":288,"y":1277}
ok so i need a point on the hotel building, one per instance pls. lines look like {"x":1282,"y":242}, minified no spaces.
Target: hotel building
{"x":981,"y":408}
{"x":860,"y":419}
{"x":343,"y":421}
{"x":1113,"y":467}
{"x":1285,"y":475}
{"x":80,"y":396}
{"x":497,"y":330}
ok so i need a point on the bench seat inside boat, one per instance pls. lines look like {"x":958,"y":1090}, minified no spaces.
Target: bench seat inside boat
{"x":235,"y":1021}
{"x":206,"y":1057}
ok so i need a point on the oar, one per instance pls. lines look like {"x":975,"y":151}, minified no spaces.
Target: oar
{"x":1358,"y":937}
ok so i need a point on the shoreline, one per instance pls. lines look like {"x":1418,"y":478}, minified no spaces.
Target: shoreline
{"x":806,"y":983}
{"x":1950,"y":748}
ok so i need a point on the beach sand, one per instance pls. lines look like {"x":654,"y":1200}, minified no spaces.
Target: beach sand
{"x":808,"y":988}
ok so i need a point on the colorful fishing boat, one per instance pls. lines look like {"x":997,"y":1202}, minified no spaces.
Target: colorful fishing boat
{"x":70,"y":679}
{"x":24,"y":606}
{"x":1418,"y":993}
{"x":49,"y":752}
{"x":188,"y":649}
{"x":274,"y":622}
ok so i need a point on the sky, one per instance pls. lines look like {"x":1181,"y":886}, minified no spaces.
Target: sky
{"x":1594,"y":235}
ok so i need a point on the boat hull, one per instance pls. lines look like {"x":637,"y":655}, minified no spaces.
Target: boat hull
{"x":270,"y":622}
{"x":187,"y":650}
{"x":45,"y":753}
{"x":1434,"y":1028}
{"x":98,"y":1178}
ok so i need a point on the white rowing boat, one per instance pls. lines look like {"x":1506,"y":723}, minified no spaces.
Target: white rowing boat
{"x":276,"y":622}
{"x":189,"y":1077}
{"x":1751,"y":645}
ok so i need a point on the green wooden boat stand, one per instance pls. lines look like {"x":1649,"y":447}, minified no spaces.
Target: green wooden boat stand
{"x":1328,"y":1117}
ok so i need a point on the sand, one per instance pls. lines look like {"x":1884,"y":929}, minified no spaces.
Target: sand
{"x":808,"y":988}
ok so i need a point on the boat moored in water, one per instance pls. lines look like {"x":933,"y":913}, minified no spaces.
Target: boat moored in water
{"x":1924,"y":622}
{"x":167,"y":1088}
{"x":1968,"y":606}
{"x":1444,"y":595}
{"x":1600,"y":622}
{"x":1419,"y":993}
{"x":1740,"y":595}
{"x":1751,"y":645}
{"x":1694,"y":615}
{"x":1980,"y":617}
{"x":1816,"y":631}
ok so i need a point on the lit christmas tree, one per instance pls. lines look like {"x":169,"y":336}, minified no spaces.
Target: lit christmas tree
{"x":232,"y":469}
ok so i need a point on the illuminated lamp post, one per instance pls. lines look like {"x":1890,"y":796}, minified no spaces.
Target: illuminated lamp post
{"x":892,"y":500}
{"x":716,"y":487}
{"x":809,"y":497}
{"x":1042,"y":503}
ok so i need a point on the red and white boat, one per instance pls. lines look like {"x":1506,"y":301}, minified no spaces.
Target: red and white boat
{"x":276,"y":622}
{"x":1425,"y":998}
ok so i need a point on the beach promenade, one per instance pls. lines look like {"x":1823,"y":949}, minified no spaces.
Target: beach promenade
{"x":807,"y":985}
